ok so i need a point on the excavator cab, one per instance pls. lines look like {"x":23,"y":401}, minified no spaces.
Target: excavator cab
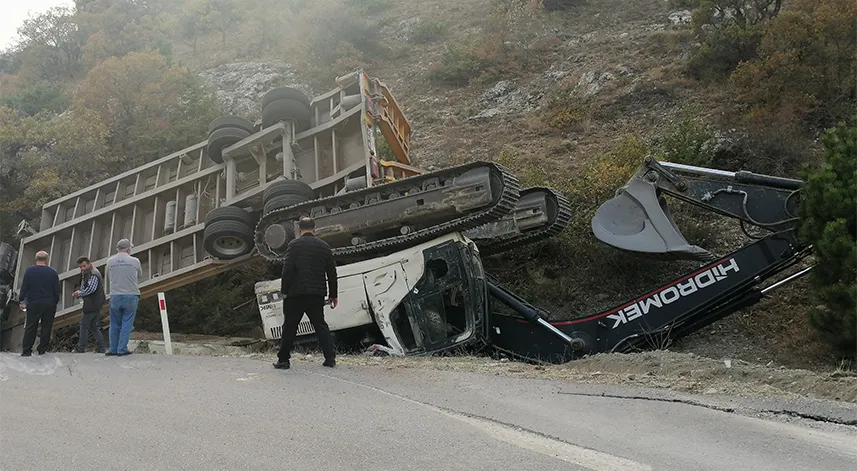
{"x":447,"y":305}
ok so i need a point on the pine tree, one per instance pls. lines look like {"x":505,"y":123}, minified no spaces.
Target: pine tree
{"x":829,"y":222}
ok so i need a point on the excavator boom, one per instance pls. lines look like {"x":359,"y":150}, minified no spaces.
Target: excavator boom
{"x":638,"y":220}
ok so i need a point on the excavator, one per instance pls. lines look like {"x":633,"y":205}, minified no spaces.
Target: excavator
{"x":436,"y":296}
{"x":408,"y":243}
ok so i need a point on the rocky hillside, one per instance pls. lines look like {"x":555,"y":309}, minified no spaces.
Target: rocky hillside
{"x":569,"y":93}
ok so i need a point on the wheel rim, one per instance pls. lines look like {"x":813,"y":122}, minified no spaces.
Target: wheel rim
{"x":228,"y":245}
{"x":276,"y":236}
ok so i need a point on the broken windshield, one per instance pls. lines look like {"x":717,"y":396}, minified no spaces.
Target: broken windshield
{"x":437,"y":313}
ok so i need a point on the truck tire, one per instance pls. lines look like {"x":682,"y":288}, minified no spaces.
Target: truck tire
{"x":221,"y":139}
{"x":230,"y":121}
{"x":230,"y":213}
{"x":228,"y":239}
{"x":284,"y":93}
{"x":286,"y":110}
{"x":284,"y":201}
{"x":288,"y":187}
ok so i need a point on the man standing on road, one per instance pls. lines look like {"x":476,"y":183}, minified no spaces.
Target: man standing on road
{"x":92,"y":293}
{"x":123,"y":273}
{"x":308,"y":262}
{"x":40,"y":293}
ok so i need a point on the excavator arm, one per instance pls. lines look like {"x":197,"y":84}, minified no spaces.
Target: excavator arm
{"x":638,"y":220}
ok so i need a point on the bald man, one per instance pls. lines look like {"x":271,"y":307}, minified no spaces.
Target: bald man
{"x":40,"y":294}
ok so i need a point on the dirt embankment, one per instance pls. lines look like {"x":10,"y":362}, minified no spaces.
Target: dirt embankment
{"x":660,"y":369}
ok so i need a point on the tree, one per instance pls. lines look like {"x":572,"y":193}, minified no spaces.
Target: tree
{"x":191,"y":28}
{"x":56,"y":38}
{"x":36,"y":98}
{"x":806,"y":63}
{"x":219,"y":15}
{"x":730,"y":32}
{"x":43,"y":159}
{"x":149,"y":107}
{"x":829,"y":223}
{"x":117,"y":27}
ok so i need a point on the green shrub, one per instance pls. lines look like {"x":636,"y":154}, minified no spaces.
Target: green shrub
{"x":689,"y":141}
{"x":730,"y":32}
{"x":39,"y":97}
{"x":559,"y":5}
{"x":427,"y":31}
{"x":459,"y":64}
{"x":567,"y":115}
{"x":382,"y":149}
{"x":689,"y":4}
{"x":829,"y":223}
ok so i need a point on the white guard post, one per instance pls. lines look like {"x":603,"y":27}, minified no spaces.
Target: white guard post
{"x":165,"y":323}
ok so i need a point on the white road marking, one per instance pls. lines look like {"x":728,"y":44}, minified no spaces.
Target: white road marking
{"x":528,"y":440}
{"x":577,"y":455}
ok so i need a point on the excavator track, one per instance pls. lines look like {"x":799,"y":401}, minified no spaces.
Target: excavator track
{"x":398,"y":214}
{"x":558,"y":216}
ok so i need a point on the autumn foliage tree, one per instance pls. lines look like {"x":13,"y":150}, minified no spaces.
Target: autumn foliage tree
{"x":829,"y":215}
{"x":52,"y":43}
{"x":117,"y":27}
{"x":807,"y":64}
{"x":149,"y":107}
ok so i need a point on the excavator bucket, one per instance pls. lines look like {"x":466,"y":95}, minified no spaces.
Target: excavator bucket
{"x":638,"y":220}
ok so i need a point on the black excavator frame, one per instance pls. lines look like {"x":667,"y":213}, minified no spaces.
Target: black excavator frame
{"x":539,"y":214}
{"x":650,"y":321}
{"x":385,"y":218}
{"x":638,"y":220}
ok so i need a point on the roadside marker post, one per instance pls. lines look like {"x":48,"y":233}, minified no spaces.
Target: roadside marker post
{"x":165,"y":323}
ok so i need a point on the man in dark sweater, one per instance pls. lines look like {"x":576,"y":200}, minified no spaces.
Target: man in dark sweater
{"x":308,"y":262}
{"x":40,"y":293}
{"x":92,"y":292}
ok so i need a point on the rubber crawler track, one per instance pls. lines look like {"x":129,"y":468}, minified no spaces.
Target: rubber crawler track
{"x":554,"y":227}
{"x":506,"y":203}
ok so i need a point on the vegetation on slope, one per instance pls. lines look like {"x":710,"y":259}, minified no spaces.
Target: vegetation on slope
{"x":595,"y":85}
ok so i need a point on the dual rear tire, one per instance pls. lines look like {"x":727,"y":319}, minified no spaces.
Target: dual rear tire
{"x":225,"y":131}
{"x":279,"y":104}
{"x":228,"y":232}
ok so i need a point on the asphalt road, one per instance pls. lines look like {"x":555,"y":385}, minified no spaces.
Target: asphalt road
{"x":145,"y":412}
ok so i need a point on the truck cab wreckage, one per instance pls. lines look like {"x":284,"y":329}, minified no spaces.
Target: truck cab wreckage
{"x":408,"y":242}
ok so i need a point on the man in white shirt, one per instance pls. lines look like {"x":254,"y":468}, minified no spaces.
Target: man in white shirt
{"x":123,"y":273}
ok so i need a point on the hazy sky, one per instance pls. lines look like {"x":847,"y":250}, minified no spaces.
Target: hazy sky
{"x":15,"y":12}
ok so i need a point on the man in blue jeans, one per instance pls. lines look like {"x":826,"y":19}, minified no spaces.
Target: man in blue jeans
{"x":123,"y":274}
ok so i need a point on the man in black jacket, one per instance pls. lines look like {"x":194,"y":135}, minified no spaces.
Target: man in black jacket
{"x":308,"y":262}
{"x":92,"y":292}
{"x":40,"y":294}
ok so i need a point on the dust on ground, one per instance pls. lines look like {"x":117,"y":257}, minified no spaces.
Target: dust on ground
{"x":683,"y":372}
